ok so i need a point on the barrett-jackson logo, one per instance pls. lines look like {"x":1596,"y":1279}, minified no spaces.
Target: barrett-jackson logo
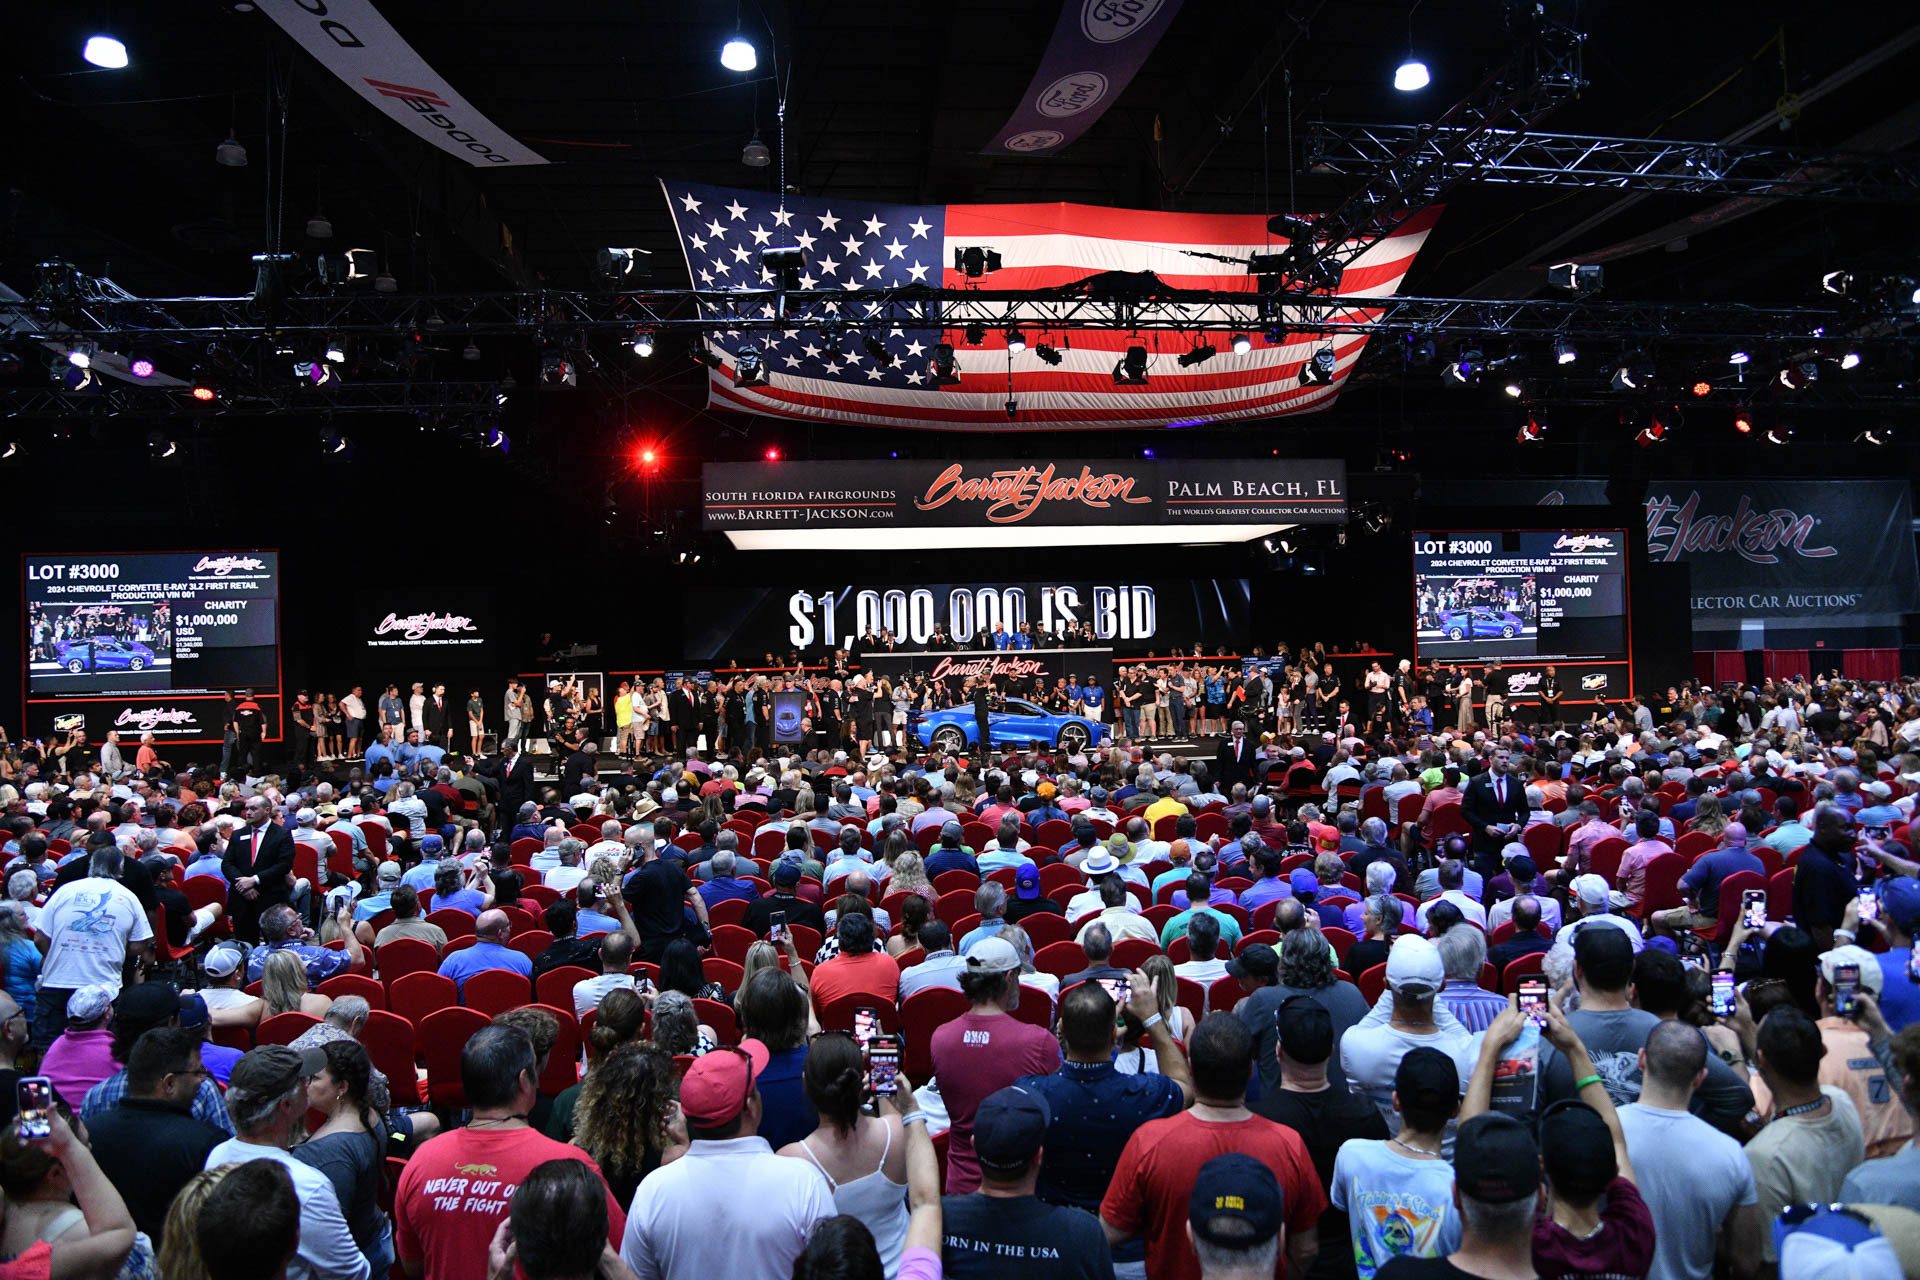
{"x":1521,"y":681}
{"x":1583,"y":542}
{"x":1755,"y":536}
{"x":1015,"y":494}
{"x":221,"y":566}
{"x":153,"y":717}
{"x":984,"y":668}
{"x":418,"y":625}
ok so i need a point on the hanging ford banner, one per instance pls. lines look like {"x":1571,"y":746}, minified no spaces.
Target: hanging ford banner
{"x":1098,"y":46}
{"x":352,"y":40}
{"x":814,"y":505}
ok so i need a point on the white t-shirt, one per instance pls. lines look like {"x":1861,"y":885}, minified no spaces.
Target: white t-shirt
{"x":1370,"y":1056}
{"x":1204,"y":972}
{"x":89,"y":924}
{"x":1691,"y":1176}
{"x":1397,"y":1205}
{"x":589,"y":992}
{"x":1632,"y":930}
{"x":566,"y":879}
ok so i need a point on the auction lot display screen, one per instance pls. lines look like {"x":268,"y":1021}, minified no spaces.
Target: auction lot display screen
{"x":141,"y":642}
{"x":1524,"y":600}
{"x":815,"y":618}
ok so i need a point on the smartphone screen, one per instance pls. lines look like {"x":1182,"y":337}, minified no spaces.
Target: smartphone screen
{"x":883,"y":1067}
{"x":866,"y":1024}
{"x":1846,"y":982}
{"x":1533,"y":1000}
{"x":777,"y":927}
{"x":33,"y":1096}
{"x":1869,"y":905}
{"x":1117,"y":988}
{"x":1722,"y":997}
{"x":1754,"y":903}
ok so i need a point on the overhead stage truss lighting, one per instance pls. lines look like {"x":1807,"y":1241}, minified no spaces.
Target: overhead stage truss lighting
{"x":1048,"y":354}
{"x":1199,"y":355}
{"x":1130,"y":370}
{"x":974,"y":261}
{"x":1317,"y":370}
{"x":942,"y":366}
{"x":749,"y":370}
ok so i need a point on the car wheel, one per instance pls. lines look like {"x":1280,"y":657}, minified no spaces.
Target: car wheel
{"x":1506,"y":632}
{"x":1073,"y":737}
{"x":137,"y":663}
{"x":1455,"y":633}
{"x":950,"y":739}
{"x":76,"y":666}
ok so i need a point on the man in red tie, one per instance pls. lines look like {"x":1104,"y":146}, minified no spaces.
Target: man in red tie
{"x":257,"y":863}
{"x":1494,"y":806}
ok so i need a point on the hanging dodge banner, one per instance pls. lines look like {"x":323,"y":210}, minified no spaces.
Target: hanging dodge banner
{"x":1097,"y":48}
{"x":352,"y":40}
{"x":798,"y":505}
{"x":1762,"y":549}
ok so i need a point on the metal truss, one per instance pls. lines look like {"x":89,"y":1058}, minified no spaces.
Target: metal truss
{"x":132,"y":400}
{"x":1623,"y":164}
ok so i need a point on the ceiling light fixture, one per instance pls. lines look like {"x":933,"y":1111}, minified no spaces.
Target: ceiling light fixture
{"x":319,"y":226}
{"x":642,"y":343}
{"x":1702,"y":388}
{"x":738,"y":54}
{"x":1016,"y":341}
{"x":105,"y":52}
{"x":1851,"y":360}
{"x":1564,"y":352}
{"x":471,"y":352}
{"x":1743,"y":421}
{"x":1241,"y":344}
{"x":1513,"y":390}
{"x":1740,"y":357}
{"x":1411,"y":76}
{"x":140,"y":367}
{"x":755,"y":154}
{"x":230,"y":153}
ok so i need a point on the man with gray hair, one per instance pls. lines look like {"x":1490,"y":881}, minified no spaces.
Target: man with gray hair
{"x":609,"y":844}
{"x":1463,"y":949}
{"x":267,"y":1098}
{"x":723,"y":884}
{"x":1380,"y":880}
{"x":990,"y":900}
{"x":568,"y":875}
{"x":86,"y":932}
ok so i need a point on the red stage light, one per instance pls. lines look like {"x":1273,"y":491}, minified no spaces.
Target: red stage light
{"x":773,"y":455}
{"x":1743,"y":422}
{"x":647,"y":456}
{"x":1703,"y":388}
{"x":203,"y":392}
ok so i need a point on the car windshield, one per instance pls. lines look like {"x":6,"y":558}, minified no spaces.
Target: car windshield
{"x":1015,"y":704}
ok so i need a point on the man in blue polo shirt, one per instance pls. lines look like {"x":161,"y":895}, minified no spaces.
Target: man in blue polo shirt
{"x":490,"y":952}
{"x":1094,"y":1108}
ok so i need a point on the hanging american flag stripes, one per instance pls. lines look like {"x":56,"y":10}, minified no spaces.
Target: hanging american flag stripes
{"x":824,"y":369}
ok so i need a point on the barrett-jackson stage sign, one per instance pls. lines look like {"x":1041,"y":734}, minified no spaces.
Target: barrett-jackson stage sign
{"x":1763,"y":549}
{"x":1020,"y":672}
{"x":1101,"y":494}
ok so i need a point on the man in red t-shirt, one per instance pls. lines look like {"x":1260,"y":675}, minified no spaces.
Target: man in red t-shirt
{"x":456,"y":1189}
{"x":1153,"y":1184}
{"x":860,"y":969}
{"x":983,"y":1051}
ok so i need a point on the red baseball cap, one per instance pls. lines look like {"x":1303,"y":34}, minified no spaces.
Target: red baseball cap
{"x":718,"y":1084}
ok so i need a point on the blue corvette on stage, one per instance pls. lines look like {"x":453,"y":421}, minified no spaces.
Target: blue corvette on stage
{"x":107,"y":654}
{"x":1470,"y":624}
{"x":1010,"y":723}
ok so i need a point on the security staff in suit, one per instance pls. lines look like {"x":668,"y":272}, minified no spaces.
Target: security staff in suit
{"x":516,"y":779}
{"x":982,"y":705}
{"x":258,"y":860}
{"x":685,"y":706}
{"x":1494,"y":807}
{"x":1234,"y":761}
{"x":436,"y":714}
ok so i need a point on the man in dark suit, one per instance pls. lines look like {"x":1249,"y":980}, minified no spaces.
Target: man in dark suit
{"x":581,"y":769}
{"x":982,"y":704}
{"x":1495,"y":808}
{"x":685,"y":707}
{"x":516,"y":779}
{"x":435,"y":717}
{"x":258,"y":860}
{"x":1234,"y":760}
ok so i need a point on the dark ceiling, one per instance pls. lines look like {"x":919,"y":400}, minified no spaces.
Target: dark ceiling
{"x":114,"y":171}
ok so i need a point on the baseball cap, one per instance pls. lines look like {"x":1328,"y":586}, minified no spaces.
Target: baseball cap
{"x":269,"y":1071}
{"x":305,"y":817}
{"x":90,"y":1002}
{"x":993,"y":955}
{"x":1256,"y":961}
{"x":1592,"y":889}
{"x":432,"y":844}
{"x":193,"y":1010}
{"x":1236,"y":1202}
{"x":1414,"y":967}
{"x":1522,"y":869}
{"x":786,"y":871}
{"x":1900,"y":899}
{"x":1871,"y":976}
{"x":221,"y":961}
{"x":1879,"y":791}
{"x":1832,"y":1242}
{"x":1576,"y":1149}
{"x":1305,"y":1029}
{"x":952,"y":831}
{"x":1303,"y":880}
{"x":148,"y":1002}
{"x":1009,"y":1126}
{"x":1427,"y":1081}
{"x":718,"y":1084}
{"x":1495,"y":1159}
{"x":1026,"y":881}
{"x":1261,"y":804}
{"x":390,"y":872}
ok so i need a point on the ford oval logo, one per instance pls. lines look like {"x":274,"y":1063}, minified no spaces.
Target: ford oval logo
{"x":1072,"y":94}
{"x":1111,"y":21}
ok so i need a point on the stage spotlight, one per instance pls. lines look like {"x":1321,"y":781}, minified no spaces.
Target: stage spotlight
{"x":9,"y":448}
{"x":1778,"y":434}
{"x":1851,"y":360}
{"x":975,"y":260}
{"x":1199,"y":355}
{"x":140,"y":367}
{"x":1411,"y":76}
{"x":1514,"y":390}
{"x":80,"y":355}
{"x":1576,"y":277}
{"x":1013,"y":409}
{"x":616,"y":266}
{"x":558,"y":371}
{"x":942,"y":366}
{"x":332,"y":443}
{"x":609,"y":510}
{"x":831,"y":340}
{"x":160,"y":445}
{"x":1016,"y":340}
{"x":755,"y":154}
{"x":78,"y":379}
{"x":335,"y":351}
{"x":1655,"y":432}
{"x":642,"y":343}
{"x":1317,"y":369}
{"x":647,"y":456}
{"x":1266,"y":544}
{"x":1130,"y":370}
{"x":495,"y":438}
{"x":1872,"y":435}
{"x":1421,"y":351}
{"x":203,"y":389}
{"x":1743,"y":421}
{"x":1795,"y":377}
{"x":1147,"y":452}
{"x":748,"y":368}
{"x":1532,"y":431}
{"x":1456,"y":373}
{"x":1836,"y":282}
{"x":772,"y":453}
{"x":783,"y":263}
{"x":703,"y":354}
{"x":877,"y":351}
{"x":1048,"y":354}
{"x":1241,"y":344}
{"x":1563,"y":352}
{"x":1633,"y":373}
{"x":105,"y":52}
{"x":1739,"y":357}
{"x":1702,"y":388}
{"x":738,"y":54}
{"x":976,"y":334}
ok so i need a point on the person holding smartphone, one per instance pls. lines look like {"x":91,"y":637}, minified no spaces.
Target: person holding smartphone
{"x":98,"y":1253}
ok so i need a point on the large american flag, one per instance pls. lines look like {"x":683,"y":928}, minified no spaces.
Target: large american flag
{"x":853,"y":244}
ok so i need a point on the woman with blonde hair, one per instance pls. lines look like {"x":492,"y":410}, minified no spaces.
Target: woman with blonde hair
{"x":1135,"y":1057}
{"x":179,"y":1255}
{"x":627,"y":1118}
{"x":1709,"y":817}
{"x":283,"y":986}
{"x":910,"y":876}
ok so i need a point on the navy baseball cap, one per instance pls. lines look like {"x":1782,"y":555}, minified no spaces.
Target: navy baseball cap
{"x":1236,"y":1202}
{"x":1009,"y":1127}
